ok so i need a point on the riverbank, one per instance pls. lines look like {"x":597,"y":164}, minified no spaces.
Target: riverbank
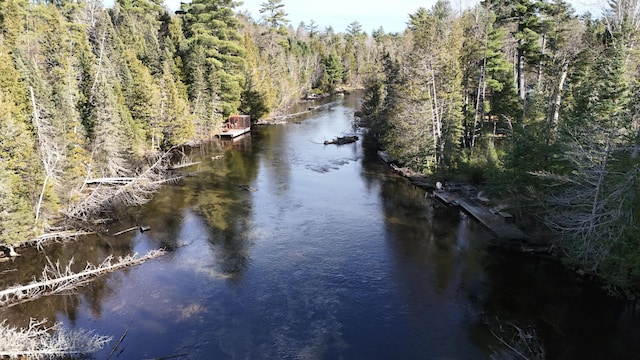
{"x":494,"y":217}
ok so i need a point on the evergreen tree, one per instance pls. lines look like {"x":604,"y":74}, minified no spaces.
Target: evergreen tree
{"x":18,"y":170}
{"x":211,"y":29}
{"x":525,"y":16}
{"x":333,"y":72}
{"x":178,"y":126}
{"x":273,"y":14}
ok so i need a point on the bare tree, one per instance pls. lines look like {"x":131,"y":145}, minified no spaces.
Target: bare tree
{"x":591,"y":210}
{"x":50,"y":151}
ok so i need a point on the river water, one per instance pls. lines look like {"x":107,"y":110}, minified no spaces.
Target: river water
{"x":285,"y":248}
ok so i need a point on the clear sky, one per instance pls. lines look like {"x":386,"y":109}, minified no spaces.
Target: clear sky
{"x":392,"y":15}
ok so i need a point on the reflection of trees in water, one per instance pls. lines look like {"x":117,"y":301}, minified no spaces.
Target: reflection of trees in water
{"x":231,"y":248}
{"x":272,"y":147}
{"x":422,"y":235}
{"x":220,"y":199}
{"x":437,"y":256}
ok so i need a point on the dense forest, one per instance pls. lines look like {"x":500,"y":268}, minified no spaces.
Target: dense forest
{"x":536,"y":103}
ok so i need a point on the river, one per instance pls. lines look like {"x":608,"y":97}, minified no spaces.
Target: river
{"x":285,"y":248}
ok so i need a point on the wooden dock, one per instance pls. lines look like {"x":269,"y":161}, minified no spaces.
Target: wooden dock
{"x":232,"y":133}
{"x":498,"y":222}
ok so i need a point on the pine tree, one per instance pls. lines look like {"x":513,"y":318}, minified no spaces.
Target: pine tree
{"x":211,"y":28}
{"x":273,"y":14}
{"x":178,"y":123}
{"x":524,"y":15}
{"x":18,"y":170}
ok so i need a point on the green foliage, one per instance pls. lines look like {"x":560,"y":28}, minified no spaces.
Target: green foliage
{"x":12,"y":20}
{"x":273,"y":14}
{"x":211,"y":30}
{"x":332,"y":73}
{"x":253,"y":103}
{"x":18,"y":171}
{"x":88,"y":92}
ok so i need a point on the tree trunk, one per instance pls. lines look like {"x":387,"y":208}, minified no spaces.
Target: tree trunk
{"x":521,"y":82}
{"x":554,"y":112}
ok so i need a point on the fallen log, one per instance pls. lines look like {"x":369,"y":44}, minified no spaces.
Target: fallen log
{"x":180,"y":166}
{"x":113,"y":350}
{"x":342,"y":140}
{"x":59,"y":235}
{"x":107,"y":193}
{"x":55,"y":280}
{"x":125,"y":231}
{"x":111,"y":180}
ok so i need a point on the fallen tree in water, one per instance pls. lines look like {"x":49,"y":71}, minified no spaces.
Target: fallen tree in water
{"x":55,"y":280}
{"x":58,"y":236}
{"x":41,"y":342}
{"x":101,"y":194}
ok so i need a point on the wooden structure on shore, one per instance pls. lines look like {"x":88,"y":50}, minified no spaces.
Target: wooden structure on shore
{"x":498,"y":222}
{"x":465,"y":196}
{"x":235,"y":126}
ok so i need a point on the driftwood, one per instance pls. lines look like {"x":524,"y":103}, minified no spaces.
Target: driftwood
{"x":55,"y":280}
{"x":245,"y":187}
{"x":10,"y":250}
{"x":342,"y":140}
{"x":522,"y":343}
{"x":40,"y":342}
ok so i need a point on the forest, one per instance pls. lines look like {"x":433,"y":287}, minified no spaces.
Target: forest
{"x":531,"y":100}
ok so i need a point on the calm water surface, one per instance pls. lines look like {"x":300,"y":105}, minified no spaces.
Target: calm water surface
{"x":328,"y":256}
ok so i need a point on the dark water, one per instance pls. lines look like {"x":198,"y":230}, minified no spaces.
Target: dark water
{"x":328,"y":256}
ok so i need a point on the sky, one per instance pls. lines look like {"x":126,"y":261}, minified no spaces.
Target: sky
{"x":392,"y":15}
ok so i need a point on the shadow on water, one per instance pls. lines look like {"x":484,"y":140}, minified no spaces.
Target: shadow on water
{"x":572,"y":315}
